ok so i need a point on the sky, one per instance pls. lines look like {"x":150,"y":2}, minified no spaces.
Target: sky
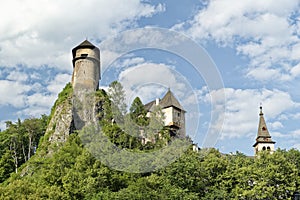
{"x":252,"y":46}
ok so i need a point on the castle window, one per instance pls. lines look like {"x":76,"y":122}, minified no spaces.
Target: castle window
{"x":264,"y":148}
{"x":268,"y":148}
{"x":84,"y":55}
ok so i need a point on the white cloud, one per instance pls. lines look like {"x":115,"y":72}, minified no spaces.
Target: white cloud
{"x":13,"y":93}
{"x":58,"y":83}
{"x":275,"y":125}
{"x":34,"y":111}
{"x":137,"y":79}
{"x":27,"y":98}
{"x":17,"y":76}
{"x":295,"y":71}
{"x":264,"y":31}
{"x":241,"y":116}
{"x":41,"y":32}
{"x":41,"y":100}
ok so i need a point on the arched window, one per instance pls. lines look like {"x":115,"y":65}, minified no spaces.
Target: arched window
{"x":268,"y":148}
{"x":264,"y":148}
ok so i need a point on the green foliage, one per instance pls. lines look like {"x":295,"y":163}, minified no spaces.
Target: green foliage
{"x":71,"y":172}
{"x":138,"y":112}
{"x":19,"y":142}
{"x":117,"y":97}
{"x":65,"y":94}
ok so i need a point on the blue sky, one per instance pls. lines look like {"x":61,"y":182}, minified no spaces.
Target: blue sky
{"x":255,"y":45}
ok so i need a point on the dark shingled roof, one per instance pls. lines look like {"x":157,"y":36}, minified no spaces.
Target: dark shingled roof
{"x":169,"y":100}
{"x":84,"y":44}
{"x":263,"y":134}
{"x":149,"y":105}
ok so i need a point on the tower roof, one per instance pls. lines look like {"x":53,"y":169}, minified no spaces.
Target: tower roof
{"x":169,"y":100}
{"x":84,"y":44}
{"x":263,"y":135}
{"x":262,"y":127}
{"x":149,"y":105}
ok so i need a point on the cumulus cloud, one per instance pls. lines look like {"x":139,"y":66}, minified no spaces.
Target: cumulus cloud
{"x":34,"y":33}
{"x":241,"y":116}
{"x":13,"y":93}
{"x":25,"y":97}
{"x":40,"y":35}
{"x":17,"y":76}
{"x":264,"y":31}
{"x":137,"y":78}
{"x":58,"y":83}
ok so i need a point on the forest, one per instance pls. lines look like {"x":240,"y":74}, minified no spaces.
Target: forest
{"x":30,"y":168}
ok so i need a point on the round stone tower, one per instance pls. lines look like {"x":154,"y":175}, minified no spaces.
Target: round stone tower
{"x":86,"y":66}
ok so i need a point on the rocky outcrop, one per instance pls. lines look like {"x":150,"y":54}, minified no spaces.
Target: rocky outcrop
{"x":72,"y":111}
{"x":61,"y":123}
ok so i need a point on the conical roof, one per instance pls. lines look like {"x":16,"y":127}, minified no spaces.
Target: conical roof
{"x":85,"y":44}
{"x":263,"y":135}
{"x":262,"y":127}
{"x":169,"y":100}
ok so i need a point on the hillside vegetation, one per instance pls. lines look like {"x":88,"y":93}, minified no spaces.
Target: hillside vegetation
{"x":29,"y":170}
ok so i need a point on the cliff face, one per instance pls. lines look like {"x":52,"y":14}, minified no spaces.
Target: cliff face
{"x":72,"y":111}
{"x":61,"y":123}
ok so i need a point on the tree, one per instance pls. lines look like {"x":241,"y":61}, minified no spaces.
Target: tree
{"x":21,"y":139}
{"x":116,"y":94}
{"x":156,"y":123}
{"x":6,"y":165}
{"x":34,"y":129}
{"x":138,"y":112}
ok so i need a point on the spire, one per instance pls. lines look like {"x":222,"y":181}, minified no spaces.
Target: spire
{"x":262,"y":127}
{"x":260,"y":107}
{"x":263,"y":135}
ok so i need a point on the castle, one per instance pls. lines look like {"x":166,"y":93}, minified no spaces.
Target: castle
{"x":173,"y":112}
{"x":86,"y":76}
{"x":86,"y":66}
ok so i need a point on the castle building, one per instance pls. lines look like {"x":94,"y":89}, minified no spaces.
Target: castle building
{"x":86,"y":76}
{"x":263,"y":140}
{"x":86,"y":66}
{"x":173,"y":112}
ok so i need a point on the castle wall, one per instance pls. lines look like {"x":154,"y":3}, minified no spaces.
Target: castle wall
{"x":90,"y":52}
{"x":168,"y":112}
{"x":86,"y":74}
{"x":175,"y":117}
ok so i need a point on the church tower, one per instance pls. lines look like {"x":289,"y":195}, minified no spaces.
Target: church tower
{"x":263,"y":139}
{"x":86,"y":64}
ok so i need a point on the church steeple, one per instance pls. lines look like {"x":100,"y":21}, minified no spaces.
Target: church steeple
{"x":262,"y":127}
{"x":263,"y":139}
